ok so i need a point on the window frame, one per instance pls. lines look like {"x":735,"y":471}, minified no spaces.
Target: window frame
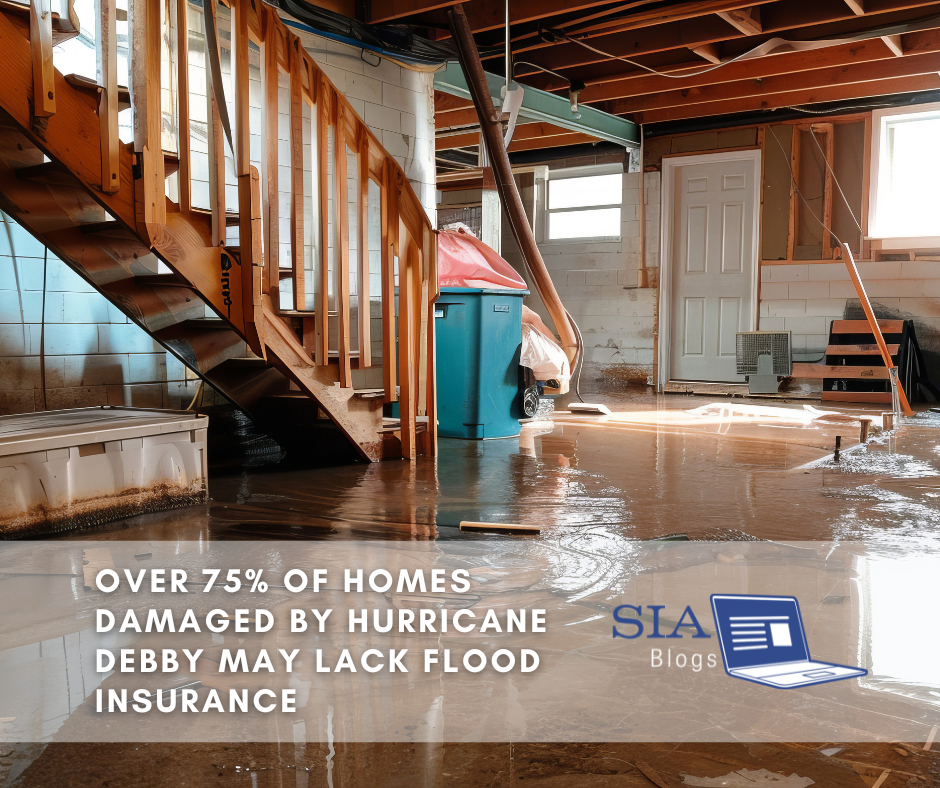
{"x":590,"y":170}
{"x":878,"y":166}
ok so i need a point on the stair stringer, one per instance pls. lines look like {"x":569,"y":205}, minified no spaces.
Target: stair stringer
{"x":359,"y":419}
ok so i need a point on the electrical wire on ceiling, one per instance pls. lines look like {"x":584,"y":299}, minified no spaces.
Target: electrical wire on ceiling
{"x":536,"y":65}
{"x":835,"y":110}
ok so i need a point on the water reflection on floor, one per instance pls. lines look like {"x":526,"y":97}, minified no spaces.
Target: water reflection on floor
{"x":647,"y":471}
{"x":594,"y":485}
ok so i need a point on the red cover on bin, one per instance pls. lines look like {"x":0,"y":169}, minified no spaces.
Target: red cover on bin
{"x":465,"y":261}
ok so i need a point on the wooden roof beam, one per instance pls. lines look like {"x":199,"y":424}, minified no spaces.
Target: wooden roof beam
{"x":746,"y":20}
{"x":486,"y":15}
{"x":557,"y":141}
{"x":857,"y":6}
{"x":882,"y":87}
{"x":709,"y":52}
{"x":894,"y":44}
{"x":389,"y":10}
{"x":445,"y":102}
{"x":526,"y":131}
{"x":460,"y":117}
{"x":638,"y":83}
{"x":795,"y":20}
{"x":914,"y":65}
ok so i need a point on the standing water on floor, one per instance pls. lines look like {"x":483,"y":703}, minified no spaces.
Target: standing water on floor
{"x":635,"y":475}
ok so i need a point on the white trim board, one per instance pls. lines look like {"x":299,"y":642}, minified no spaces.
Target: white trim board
{"x":670,"y":167}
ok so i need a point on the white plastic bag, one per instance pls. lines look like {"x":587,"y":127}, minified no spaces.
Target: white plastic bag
{"x":545,"y":358}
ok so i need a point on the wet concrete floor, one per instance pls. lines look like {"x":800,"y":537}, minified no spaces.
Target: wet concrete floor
{"x":646,"y":472}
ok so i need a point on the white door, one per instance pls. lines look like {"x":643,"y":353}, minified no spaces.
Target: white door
{"x":713,"y":267}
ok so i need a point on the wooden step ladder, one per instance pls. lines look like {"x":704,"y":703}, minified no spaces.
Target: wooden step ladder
{"x":853,"y":370}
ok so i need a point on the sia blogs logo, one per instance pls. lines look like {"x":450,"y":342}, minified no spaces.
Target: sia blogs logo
{"x":762,"y":640}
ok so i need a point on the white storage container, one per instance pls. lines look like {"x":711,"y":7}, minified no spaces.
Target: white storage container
{"x":68,"y":469}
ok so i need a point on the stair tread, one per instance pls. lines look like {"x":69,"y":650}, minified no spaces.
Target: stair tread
{"x":89,"y":85}
{"x":856,"y":396}
{"x":60,"y":32}
{"x":205,"y":323}
{"x":162,"y":280}
{"x":48,"y":172}
{"x":247,"y":361}
{"x":862,"y":327}
{"x":111,"y":229}
{"x":814,"y":371}
{"x":859,"y":350}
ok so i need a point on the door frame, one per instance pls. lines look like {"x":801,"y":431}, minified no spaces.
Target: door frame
{"x":670,"y":168}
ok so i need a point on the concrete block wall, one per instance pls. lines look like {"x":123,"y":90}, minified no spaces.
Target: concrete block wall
{"x":805,"y":299}
{"x":597,"y":283}
{"x":93,"y":354}
{"x":397,"y":105}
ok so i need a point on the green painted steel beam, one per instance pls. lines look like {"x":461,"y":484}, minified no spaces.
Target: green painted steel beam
{"x":538,"y":105}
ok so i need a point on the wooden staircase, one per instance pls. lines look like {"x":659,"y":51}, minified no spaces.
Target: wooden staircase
{"x":101,"y":205}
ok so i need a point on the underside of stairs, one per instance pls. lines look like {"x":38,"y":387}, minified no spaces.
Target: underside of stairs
{"x":216,"y":307}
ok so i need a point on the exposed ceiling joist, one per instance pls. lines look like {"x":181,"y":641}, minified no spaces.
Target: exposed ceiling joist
{"x":445,"y":102}
{"x":559,"y":141}
{"x":639,"y":82}
{"x":656,"y":16}
{"x":914,"y":65}
{"x":746,"y":20}
{"x":797,"y":98}
{"x":460,"y":117}
{"x":709,"y":52}
{"x":486,"y":15}
{"x":894,"y":44}
{"x":526,"y":131}
{"x":791,"y":20}
{"x":389,"y":10}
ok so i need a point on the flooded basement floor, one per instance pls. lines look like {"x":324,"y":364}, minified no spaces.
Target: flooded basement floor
{"x":678,"y":464}
{"x":658,"y":466}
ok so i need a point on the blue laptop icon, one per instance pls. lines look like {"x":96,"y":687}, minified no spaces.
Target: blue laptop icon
{"x":762,"y":640}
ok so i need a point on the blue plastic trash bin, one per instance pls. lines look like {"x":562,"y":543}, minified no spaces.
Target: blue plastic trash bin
{"x":477,"y":342}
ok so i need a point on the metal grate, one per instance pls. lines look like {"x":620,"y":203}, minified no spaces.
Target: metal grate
{"x":752,"y":344}
{"x":472,"y":216}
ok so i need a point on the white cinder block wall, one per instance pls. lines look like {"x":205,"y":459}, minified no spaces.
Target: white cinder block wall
{"x":397,"y":104}
{"x":597,"y":283}
{"x":94,"y":355}
{"x":804,"y":299}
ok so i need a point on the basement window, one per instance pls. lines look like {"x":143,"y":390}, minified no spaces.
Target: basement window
{"x":585,"y":202}
{"x":905,"y":199}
